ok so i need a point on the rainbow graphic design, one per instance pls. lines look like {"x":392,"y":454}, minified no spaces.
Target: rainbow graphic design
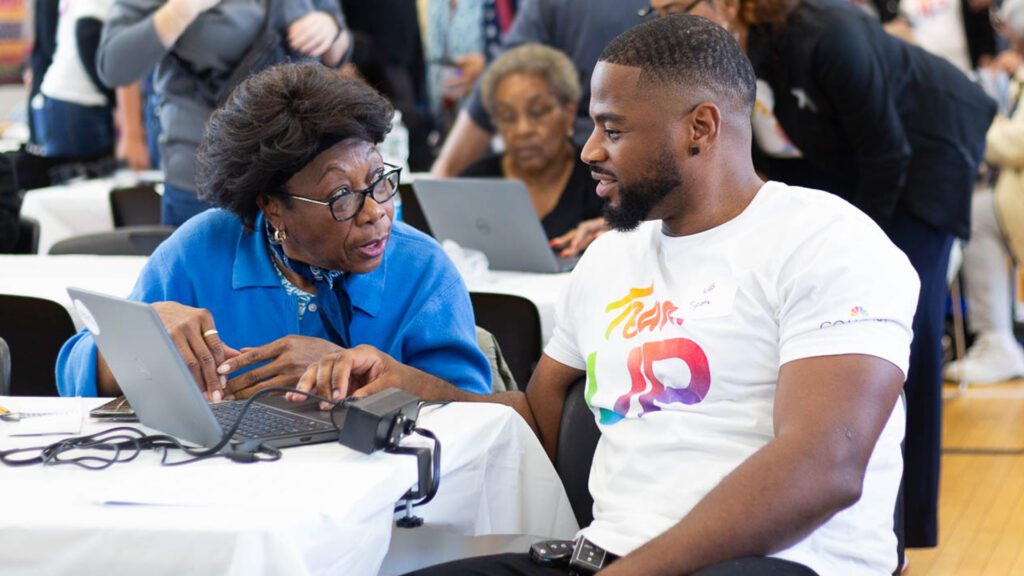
{"x":858,"y":312}
{"x":635,"y":315}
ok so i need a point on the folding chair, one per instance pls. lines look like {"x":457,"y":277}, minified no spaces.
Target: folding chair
{"x":34,"y":330}
{"x":515,"y":323}
{"x":577,"y":439}
{"x":28,"y":236}
{"x":5,"y":368}
{"x":135,"y":206}
{"x":128,"y":241}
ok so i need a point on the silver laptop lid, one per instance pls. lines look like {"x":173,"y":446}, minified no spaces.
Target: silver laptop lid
{"x":146,"y":363}
{"x":492,"y":215}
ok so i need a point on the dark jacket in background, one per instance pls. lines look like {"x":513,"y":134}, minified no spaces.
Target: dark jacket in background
{"x":880,"y":122}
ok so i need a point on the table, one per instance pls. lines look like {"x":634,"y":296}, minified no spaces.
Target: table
{"x":76,"y":208}
{"x":321,"y":509}
{"x":49,"y":276}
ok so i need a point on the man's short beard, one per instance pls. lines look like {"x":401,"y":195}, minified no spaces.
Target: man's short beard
{"x":638,"y":199}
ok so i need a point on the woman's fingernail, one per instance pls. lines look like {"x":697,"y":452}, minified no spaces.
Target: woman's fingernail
{"x":224,"y":368}
{"x":217,"y":396}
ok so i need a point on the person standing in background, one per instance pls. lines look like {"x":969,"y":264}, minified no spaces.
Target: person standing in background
{"x":72,"y":115}
{"x":196,"y":47}
{"x":580,"y":29}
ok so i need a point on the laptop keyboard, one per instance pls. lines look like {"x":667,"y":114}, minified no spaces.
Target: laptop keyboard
{"x":263,"y":422}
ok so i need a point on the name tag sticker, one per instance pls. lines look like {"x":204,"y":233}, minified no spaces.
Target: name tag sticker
{"x":711,"y":299}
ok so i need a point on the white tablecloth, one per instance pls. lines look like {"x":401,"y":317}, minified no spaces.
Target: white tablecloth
{"x":49,"y":276}
{"x":76,"y":208}
{"x":321,"y":509}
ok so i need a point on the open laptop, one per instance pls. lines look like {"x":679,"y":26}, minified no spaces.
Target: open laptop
{"x":492,"y":215}
{"x":154,"y":378}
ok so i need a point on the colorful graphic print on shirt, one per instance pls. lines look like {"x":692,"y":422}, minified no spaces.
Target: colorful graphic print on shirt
{"x":636,"y":313}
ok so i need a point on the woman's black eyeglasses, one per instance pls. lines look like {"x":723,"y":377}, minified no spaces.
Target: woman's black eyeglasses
{"x":347,"y":203}
{"x":670,"y":8}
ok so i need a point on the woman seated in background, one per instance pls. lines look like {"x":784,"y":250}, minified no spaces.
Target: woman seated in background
{"x":530,"y":93}
{"x":303,"y":257}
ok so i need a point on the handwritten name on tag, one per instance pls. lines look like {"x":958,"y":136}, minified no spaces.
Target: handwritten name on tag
{"x":711,"y":299}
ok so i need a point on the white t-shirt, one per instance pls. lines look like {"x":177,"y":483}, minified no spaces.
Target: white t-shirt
{"x":682,"y":339}
{"x":66,"y":78}
{"x":939,"y":28}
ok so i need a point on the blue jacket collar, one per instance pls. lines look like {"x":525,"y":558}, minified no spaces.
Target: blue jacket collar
{"x":254,"y":267}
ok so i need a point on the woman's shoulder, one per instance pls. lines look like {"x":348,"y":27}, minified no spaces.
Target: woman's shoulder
{"x":414,"y":242}
{"x":205,"y":231}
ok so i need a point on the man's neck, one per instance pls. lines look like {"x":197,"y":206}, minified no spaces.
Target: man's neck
{"x":712,"y":202}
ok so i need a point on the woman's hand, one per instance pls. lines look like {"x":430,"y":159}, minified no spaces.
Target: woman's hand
{"x":575,"y":241}
{"x":470,"y":67}
{"x":1008,"y":61}
{"x":134,"y":152}
{"x":360,"y":371}
{"x":312,"y":34}
{"x":286,"y":359}
{"x":193,"y":332}
{"x":171,"y":19}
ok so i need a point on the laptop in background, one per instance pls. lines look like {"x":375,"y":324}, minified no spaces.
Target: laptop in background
{"x":156,"y":381}
{"x":492,"y":215}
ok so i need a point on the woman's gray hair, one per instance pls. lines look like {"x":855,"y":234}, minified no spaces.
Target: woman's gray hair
{"x":549,"y":64}
{"x":1012,"y":13}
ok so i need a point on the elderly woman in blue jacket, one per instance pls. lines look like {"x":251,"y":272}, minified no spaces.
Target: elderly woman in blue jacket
{"x":302,"y":259}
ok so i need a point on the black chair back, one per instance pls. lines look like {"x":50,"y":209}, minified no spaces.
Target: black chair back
{"x":515,"y":323}
{"x":5,"y":368}
{"x":135,"y":206}
{"x":34,"y":329}
{"x":128,"y":241}
{"x":28,"y":236}
{"x":577,"y":440}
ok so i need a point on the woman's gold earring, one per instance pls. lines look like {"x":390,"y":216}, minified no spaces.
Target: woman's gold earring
{"x":279,"y":235}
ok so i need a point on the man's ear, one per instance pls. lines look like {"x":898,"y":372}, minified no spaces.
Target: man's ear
{"x":704,"y":126}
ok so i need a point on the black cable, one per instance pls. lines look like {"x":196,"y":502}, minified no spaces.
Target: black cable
{"x":126,"y":443}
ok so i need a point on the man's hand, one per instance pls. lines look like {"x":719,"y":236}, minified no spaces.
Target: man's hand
{"x":575,"y":241}
{"x":286,"y":359}
{"x":358,"y":371}
{"x":194,"y":334}
{"x":312,"y":34}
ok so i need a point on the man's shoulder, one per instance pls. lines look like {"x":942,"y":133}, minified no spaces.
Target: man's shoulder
{"x":799,"y":210}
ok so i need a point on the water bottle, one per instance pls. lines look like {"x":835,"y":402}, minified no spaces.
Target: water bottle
{"x":395,"y":150}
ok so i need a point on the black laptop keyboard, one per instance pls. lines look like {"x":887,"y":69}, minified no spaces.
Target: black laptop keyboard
{"x":263,"y":422}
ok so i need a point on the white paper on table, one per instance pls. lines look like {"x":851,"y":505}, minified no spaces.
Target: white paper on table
{"x":41,"y":417}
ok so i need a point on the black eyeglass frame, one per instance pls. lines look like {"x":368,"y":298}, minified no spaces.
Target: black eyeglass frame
{"x":394,"y":171}
{"x":645,"y":12}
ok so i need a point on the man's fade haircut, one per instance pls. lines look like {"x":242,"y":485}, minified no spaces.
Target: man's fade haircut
{"x":689,"y":51}
{"x":275,"y":123}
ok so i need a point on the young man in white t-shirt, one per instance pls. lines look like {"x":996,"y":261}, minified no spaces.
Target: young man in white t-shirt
{"x":745,"y":343}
